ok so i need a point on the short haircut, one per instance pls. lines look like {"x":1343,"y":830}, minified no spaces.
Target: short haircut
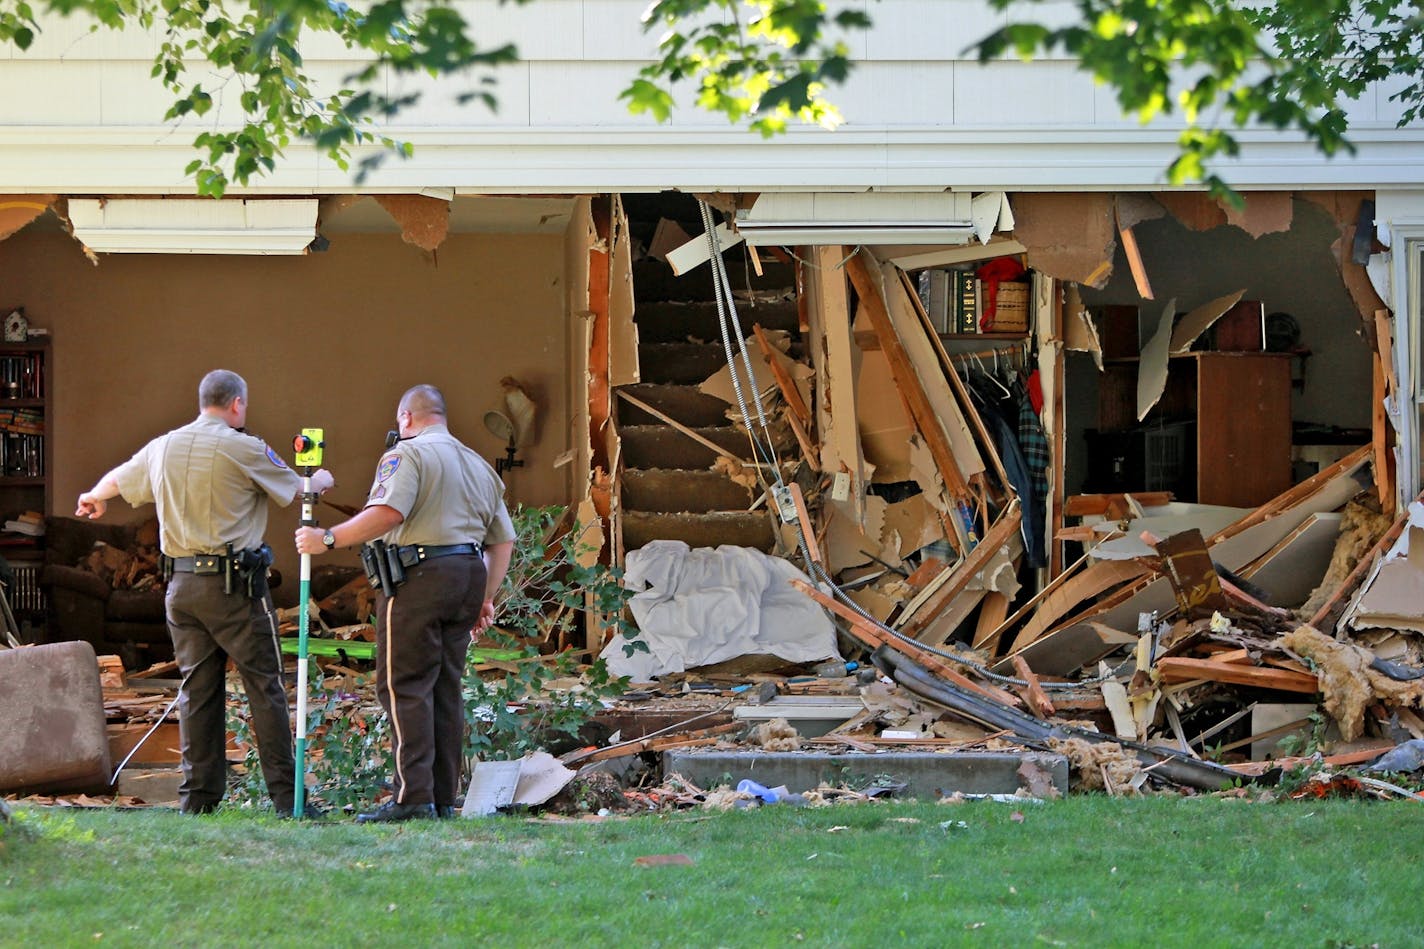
{"x":422,"y":400}
{"x":219,"y":388}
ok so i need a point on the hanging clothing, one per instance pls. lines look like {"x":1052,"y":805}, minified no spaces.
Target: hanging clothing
{"x":1000,"y":415}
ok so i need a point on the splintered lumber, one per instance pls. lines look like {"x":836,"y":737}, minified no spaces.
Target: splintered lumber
{"x":1003,"y":530}
{"x":808,"y":529}
{"x":1114,"y":507}
{"x":1096,"y":579}
{"x":784,"y":382}
{"x":864,"y":272}
{"x":702,"y":736}
{"x":870,"y":634}
{"x":1037,"y":699}
{"x":961,"y":392}
{"x":1185,"y":669}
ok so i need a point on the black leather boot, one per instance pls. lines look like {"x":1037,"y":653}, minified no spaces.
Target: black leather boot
{"x":392,"y":812}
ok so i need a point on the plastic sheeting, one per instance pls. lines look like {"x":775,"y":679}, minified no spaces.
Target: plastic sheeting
{"x":698,"y":606}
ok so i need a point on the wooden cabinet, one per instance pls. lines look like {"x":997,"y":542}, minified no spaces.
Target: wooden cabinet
{"x":1236,"y":407}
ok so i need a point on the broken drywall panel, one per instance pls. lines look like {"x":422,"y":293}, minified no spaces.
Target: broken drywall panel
{"x":1080,"y":333}
{"x":1263,"y":212}
{"x":1289,"y":571}
{"x":1068,"y":236}
{"x":1130,"y":210}
{"x":579,"y":238}
{"x":913,"y":523}
{"x":1393,"y":596}
{"x":928,"y":369}
{"x":871,"y":287}
{"x":837,"y":409}
{"x":1344,"y":207}
{"x":848,"y":544}
{"x":589,"y":527}
{"x":1199,"y":320}
{"x":1196,"y":210}
{"x":763,"y":382}
{"x":1161,"y":522}
{"x":696,"y":251}
{"x":990,"y":212}
{"x":883,"y":421}
{"x":668,"y":235}
{"x":623,"y":332}
{"x":874,"y":602}
{"x":1152,"y":367}
{"x":942,"y":627}
{"x":922,"y":256}
{"x":424,"y":221}
{"x":17,"y":210}
{"x":925,"y":472}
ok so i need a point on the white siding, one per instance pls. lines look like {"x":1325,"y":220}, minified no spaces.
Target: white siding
{"x":919,"y":113}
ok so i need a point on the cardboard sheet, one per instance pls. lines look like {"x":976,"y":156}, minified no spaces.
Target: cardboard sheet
{"x":884,"y":425}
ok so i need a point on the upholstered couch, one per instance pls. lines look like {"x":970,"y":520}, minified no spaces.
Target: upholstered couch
{"x":84,"y":606}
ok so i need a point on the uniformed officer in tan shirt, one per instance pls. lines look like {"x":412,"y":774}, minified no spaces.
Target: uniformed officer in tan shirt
{"x":443,"y":506}
{"x":212,"y":484}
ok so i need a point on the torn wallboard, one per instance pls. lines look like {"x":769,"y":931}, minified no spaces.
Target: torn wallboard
{"x":1068,"y":236}
{"x":424,"y":221}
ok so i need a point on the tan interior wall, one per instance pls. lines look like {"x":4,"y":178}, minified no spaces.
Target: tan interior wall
{"x":328,"y":340}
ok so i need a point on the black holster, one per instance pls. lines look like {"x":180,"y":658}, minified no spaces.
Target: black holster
{"x":383,"y":567}
{"x":251,"y":569}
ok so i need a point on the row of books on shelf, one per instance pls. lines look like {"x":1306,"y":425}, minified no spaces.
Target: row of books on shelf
{"x":954,"y":300}
{"x":21,"y":455}
{"x":24,"y":421}
{"x":22,"y":376}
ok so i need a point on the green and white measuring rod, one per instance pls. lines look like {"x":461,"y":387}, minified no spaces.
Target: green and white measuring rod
{"x":308,"y":446}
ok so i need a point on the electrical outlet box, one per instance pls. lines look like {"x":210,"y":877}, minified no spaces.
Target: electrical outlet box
{"x":840,"y":486}
{"x":785,"y":503}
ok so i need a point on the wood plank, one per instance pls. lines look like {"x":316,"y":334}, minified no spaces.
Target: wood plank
{"x":1037,"y":699}
{"x":873,"y":636}
{"x":1112,"y":506}
{"x":828,"y":313}
{"x":994,"y":539}
{"x":1098,"y":578}
{"x":1382,"y":435}
{"x":864,"y":274}
{"x":992,"y":613}
{"x":784,"y":382}
{"x":808,"y":529}
{"x":1182,"y":668}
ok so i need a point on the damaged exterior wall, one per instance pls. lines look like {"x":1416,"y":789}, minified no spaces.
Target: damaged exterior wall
{"x":329,"y":339}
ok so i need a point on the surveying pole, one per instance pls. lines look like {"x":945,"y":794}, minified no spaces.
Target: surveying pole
{"x":308,"y":446}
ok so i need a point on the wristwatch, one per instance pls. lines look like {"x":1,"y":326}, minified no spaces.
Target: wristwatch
{"x":328,"y":538}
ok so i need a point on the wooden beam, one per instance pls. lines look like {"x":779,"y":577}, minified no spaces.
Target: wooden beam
{"x":1182,"y":668}
{"x":784,"y":382}
{"x":808,"y":530}
{"x":1004,"y":528}
{"x":873,"y":636}
{"x":1037,"y":699}
{"x":864,"y":274}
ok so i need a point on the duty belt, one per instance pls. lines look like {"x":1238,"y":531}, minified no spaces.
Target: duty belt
{"x":431,"y":551}
{"x":198,"y":563}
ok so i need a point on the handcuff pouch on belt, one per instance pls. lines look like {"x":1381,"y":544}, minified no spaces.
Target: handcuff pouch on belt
{"x":383,"y":565}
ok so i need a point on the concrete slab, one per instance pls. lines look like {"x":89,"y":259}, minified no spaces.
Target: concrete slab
{"x":927,"y":775}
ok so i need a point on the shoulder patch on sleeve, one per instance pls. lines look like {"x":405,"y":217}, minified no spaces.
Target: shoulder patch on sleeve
{"x":275,"y":458}
{"x":388,"y":467}
{"x":379,"y":493}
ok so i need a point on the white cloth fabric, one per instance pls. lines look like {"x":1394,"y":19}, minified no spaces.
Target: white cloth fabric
{"x":698,"y":606}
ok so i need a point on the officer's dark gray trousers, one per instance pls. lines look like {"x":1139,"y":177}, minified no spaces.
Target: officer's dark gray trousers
{"x":207,"y":626}
{"x":422,"y":639}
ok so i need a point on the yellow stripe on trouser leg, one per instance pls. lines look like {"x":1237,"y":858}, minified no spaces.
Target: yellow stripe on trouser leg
{"x":390,"y":690}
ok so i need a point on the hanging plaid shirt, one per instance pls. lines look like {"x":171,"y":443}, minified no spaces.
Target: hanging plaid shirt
{"x":1032,"y":442}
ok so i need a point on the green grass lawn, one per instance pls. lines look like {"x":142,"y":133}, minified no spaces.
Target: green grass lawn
{"x":1084,"y":871}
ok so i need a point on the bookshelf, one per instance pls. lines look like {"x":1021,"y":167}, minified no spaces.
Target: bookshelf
{"x":25,"y":464}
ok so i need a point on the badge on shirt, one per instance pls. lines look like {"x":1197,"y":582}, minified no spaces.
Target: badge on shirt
{"x":275,"y":458}
{"x":379,"y":493}
{"x":388,"y":467}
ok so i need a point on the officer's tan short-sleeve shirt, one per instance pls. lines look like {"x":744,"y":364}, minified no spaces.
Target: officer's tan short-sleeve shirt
{"x":211,"y":484}
{"x":445,"y":491}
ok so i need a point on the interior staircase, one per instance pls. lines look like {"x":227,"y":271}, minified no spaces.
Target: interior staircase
{"x":670,"y":490}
